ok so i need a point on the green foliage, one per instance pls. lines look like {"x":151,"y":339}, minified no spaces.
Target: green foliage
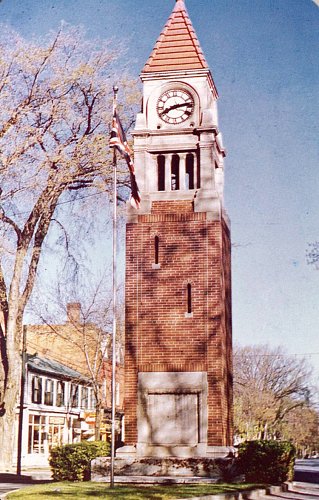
{"x":269,"y":462}
{"x":72,"y":462}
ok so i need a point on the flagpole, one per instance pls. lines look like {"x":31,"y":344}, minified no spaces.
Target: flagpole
{"x":114,"y":284}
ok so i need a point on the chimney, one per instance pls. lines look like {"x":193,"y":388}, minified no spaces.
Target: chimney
{"x":74,"y":312}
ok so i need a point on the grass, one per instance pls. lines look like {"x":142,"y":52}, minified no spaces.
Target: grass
{"x":88,"y":490}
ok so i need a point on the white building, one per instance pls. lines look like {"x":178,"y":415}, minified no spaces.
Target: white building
{"x":58,"y":408}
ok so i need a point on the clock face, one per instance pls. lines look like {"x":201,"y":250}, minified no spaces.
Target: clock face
{"x":175,"y":106}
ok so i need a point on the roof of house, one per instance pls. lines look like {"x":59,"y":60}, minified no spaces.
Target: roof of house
{"x":177,"y":48}
{"x":51,"y":367}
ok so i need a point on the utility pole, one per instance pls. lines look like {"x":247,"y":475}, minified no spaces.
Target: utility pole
{"x":113,"y":382}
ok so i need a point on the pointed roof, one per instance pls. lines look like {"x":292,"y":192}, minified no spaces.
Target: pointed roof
{"x":177,"y":48}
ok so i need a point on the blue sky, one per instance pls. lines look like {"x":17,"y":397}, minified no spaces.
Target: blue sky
{"x":264,"y":57}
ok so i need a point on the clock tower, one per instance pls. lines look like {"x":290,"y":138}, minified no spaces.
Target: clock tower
{"x":178,"y":386}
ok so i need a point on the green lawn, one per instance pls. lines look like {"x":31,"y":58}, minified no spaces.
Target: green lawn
{"x":87,"y":490}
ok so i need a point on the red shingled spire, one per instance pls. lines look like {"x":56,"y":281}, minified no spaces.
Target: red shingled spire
{"x":177,"y":48}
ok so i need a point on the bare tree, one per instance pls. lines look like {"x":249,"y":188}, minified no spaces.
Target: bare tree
{"x":55,"y":103}
{"x":80,"y":344}
{"x":301,"y":426}
{"x":268,"y":385}
{"x":83,"y":342}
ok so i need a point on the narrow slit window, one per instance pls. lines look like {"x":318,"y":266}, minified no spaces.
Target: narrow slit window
{"x":175,"y":173}
{"x":161,"y":172}
{"x":198,"y":169}
{"x":189,"y":178}
{"x":189,"y":298}
{"x":156,"y":249}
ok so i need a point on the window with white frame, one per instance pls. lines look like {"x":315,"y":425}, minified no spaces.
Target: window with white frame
{"x":36,"y":389}
{"x":37,"y":434}
{"x":55,"y":431}
{"x":60,"y":391}
{"x":92,"y":399}
{"x":74,"y":396}
{"x":84,"y":397}
{"x":48,"y":392}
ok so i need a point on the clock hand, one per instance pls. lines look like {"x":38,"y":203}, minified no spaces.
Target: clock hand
{"x":175,"y":106}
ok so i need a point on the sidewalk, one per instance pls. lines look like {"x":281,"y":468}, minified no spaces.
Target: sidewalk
{"x":294,"y":490}
{"x":287,"y":491}
{"x":10,"y":482}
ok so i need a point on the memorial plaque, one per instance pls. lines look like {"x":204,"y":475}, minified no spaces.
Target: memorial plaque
{"x":173,"y":418}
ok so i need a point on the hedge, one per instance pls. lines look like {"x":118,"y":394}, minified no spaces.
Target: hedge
{"x":270,"y":462}
{"x":72,"y":462}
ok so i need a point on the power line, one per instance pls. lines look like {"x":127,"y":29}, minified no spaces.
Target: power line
{"x":69,"y":201}
{"x":72,"y":201}
{"x":281,"y":355}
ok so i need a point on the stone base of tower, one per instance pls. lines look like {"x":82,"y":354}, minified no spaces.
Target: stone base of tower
{"x":172,"y":430}
{"x":169,"y":467}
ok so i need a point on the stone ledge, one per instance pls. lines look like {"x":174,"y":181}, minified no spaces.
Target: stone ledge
{"x":170,"y":467}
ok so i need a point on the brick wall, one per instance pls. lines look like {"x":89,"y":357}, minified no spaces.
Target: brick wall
{"x":159,"y":336}
{"x":69,"y":344}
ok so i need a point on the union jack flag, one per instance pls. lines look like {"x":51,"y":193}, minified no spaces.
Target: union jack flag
{"x":118,"y":141}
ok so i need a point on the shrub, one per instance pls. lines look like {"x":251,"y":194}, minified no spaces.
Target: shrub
{"x":269,"y":462}
{"x":72,"y":462}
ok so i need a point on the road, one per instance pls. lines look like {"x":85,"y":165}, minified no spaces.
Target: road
{"x":307,"y":471}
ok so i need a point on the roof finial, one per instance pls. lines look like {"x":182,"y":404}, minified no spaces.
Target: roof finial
{"x":179,"y":5}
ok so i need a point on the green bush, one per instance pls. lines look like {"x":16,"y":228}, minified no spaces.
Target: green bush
{"x":72,"y":462}
{"x":269,"y":462}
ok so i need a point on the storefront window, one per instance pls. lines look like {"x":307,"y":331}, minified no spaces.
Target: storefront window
{"x":37,"y":434}
{"x":55,"y":435}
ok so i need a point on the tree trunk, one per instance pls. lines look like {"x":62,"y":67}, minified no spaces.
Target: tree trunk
{"x":98,"y":418}
{"x":265,"y":431}
{"x":11,"y":361}
{"x":8,"y":426}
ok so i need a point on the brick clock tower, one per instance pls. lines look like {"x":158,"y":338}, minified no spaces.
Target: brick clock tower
{"x":178,"y":386}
